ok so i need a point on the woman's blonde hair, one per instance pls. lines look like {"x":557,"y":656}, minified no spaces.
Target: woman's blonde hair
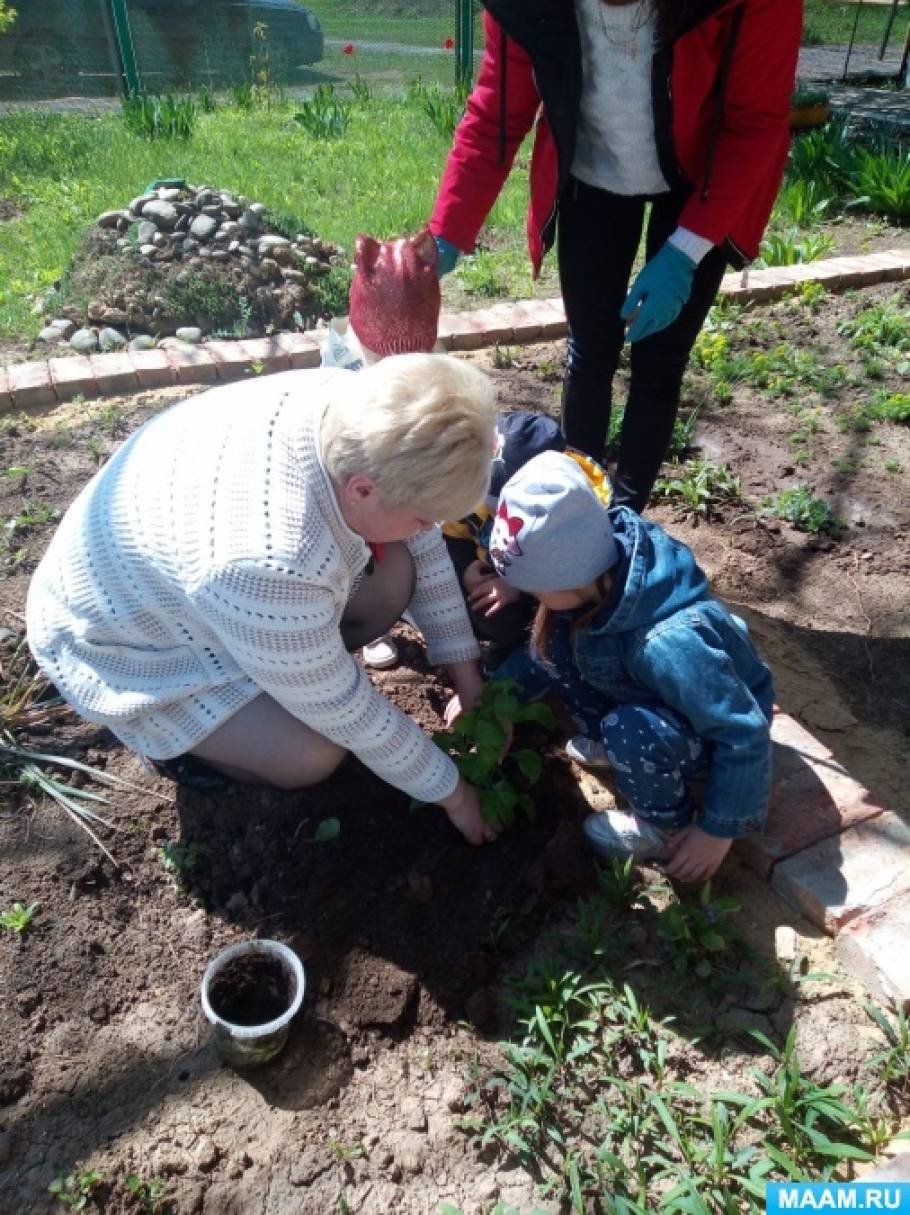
{"x":422,"y":426}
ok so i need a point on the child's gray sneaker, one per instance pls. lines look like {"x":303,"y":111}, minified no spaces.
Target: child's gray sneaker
{"x":616,"y":833}
{"x":587,"y":751}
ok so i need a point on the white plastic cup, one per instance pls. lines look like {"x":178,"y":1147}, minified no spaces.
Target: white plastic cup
{"x":250,"y":1045}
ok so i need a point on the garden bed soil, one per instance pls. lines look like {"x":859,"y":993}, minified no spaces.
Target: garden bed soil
{"x":406,"y":933}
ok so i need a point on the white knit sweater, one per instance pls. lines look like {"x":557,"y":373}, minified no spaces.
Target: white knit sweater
{"x":208,"y":562}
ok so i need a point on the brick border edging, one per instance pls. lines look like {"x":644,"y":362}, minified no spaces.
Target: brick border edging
{"x":38,"y":385}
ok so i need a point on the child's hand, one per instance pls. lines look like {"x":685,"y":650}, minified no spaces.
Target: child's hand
{"x":463,"y":809}
{"x":491,"y":595}
{"x":474,"y":574}
{"x":694,"y":855}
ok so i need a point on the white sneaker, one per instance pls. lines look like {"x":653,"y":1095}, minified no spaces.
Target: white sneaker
{"x":587,"y":752}
{"x":381,"y":653}
{"x":616,"y":833}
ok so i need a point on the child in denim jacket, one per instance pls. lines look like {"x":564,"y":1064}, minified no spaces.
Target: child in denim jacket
{"x":664,"y":679}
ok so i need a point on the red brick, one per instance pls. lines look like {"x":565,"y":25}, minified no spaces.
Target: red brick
{"x":268,"y":352}
{"x":848,"y":875}
{"x":553,"y":318}
{"x":193,"y":364}
{"x":853,"y":271}
{"x":153,"y":368}
{"x":72,"y":377}
{"x":526,"y":324}
{"x":462,"y":331}
{"x":497,"y":323}
{"x":900,"y":257}
{"x":114,"y":373}
{"x":303,"y":349}
{"x":6,"y":398}
{"x":873,"y":948}
{"x":31,"y":386}
{"x":892,"y":267}
{"x":231,"y":360}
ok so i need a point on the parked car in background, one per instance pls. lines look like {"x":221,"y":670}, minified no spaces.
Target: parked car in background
{"x":60,"y":48}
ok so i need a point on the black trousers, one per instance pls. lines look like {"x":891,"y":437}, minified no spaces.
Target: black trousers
{"x":599,"y":234}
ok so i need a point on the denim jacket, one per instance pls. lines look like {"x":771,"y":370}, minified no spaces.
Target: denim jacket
{"x":662,"y":638}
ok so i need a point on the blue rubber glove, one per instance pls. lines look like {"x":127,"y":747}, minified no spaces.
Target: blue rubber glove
{"x":448,"y":255}
{"x":662,"y":287}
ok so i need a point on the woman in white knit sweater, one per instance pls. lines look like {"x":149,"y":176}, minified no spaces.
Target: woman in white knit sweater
{"x":204,"y":591}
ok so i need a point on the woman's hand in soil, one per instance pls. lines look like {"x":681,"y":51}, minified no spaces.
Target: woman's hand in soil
{"x":659,"y":292}
{"x":695,"y":856}
{"x":491,"y":595}
{"x":463,"y":809}
{"x":468,"y":683}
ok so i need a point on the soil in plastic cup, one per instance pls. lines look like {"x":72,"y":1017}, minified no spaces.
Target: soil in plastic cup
{"x":250,"y":993}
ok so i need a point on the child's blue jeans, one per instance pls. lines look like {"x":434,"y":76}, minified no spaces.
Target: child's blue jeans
{"x":652,"y":749}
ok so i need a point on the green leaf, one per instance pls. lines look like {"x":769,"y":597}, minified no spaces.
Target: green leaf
{"x":727,"y":902}
{"x":703,"y":968}
{"x":712,"y":940}
{"x":529,"y":763}
{"x":328,"y":829}
{"x":538,"y":712}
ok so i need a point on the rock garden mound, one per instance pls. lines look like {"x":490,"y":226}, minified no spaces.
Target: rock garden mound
{"x":193,"y":261}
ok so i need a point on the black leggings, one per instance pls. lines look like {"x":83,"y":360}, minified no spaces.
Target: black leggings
{"x":599,"y":234}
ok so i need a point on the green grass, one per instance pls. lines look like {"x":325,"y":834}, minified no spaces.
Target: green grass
{"x":827,"y":22}
{"x":68,"y":169}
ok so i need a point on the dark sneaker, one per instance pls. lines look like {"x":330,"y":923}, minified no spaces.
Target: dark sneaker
{"x":190,"y":772}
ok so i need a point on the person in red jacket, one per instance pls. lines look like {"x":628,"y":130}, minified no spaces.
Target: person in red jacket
{"x":680,"y":103}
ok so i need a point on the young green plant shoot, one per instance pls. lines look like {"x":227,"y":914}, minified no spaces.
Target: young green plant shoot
{"x":478,"y":742}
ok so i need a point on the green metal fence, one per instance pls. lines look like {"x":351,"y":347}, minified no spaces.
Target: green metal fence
{"x":105,"y":48}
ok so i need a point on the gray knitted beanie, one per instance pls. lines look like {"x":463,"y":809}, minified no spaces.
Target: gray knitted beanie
{"x":550,"y":532}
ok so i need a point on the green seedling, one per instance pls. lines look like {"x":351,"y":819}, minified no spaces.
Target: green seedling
{"x":892,"y":1064}
{"x":503,"y":357}
{"x":696,"y":932}
{"x":75,"y":1189}
{"x":147,"y":1193}
{"x":19,"y":917}
{"x":344,"y":1153}
{"x":30,"y":769}
{"x":891,"y":406}
{"x":166,"y":117}
{"x":180,"y":860}
{"x":700,"y":486}
{"x":811,"y":296}
{"x":477,"y":743}
{"x":893,"y":466}
{"x":804,"y":512}
{"x":617,"y":881}
{"x":327,"y":830}
{"x":881,"y":329}
{"x":811,"y":1123}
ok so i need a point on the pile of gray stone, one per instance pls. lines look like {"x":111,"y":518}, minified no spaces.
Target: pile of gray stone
{"x":176,"y":232}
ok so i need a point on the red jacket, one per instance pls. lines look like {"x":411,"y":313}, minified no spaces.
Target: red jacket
{"x":722,"y":89}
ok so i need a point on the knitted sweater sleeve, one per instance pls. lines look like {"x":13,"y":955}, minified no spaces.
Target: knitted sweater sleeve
{"x":283,"y":632}
{"x":438,"y":606}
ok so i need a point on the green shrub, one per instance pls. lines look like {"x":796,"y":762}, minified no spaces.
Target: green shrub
{"x":155,"y":117}
{"x":879,"y":180}
{"x":790,"y":247}
{"x":326,"y":115}
{"x":444,"y":107}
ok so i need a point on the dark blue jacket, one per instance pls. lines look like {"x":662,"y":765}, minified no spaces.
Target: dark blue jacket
{"x":662,"y":638}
